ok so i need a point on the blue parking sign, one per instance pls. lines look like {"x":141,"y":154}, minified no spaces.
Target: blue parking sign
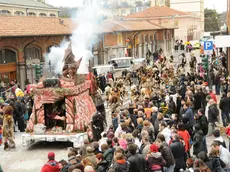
{"x":208,"y":45}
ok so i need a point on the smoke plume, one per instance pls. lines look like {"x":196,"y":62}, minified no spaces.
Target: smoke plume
{"x":83,"y":38}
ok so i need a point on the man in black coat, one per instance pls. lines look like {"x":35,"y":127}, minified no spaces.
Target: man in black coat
{"x":166,"y":154}
{"x":137,"y":161}
{"x":97,"y":126}
{"x":199,"y":100}
{"x":213,"y":114}
{"x":178,"y":151}
{"x":20,"y":111}
{"x":224,"y":106}
{"x":202,"y":120}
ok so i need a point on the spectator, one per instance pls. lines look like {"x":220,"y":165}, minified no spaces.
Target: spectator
{"x":155,"y":161}
{"x":82,"y":150}
{"x":216,"y":163}
{"x":198,"y":145}
{"x":178,"y":151}
{"x":165,"y":131}
{"x":200,"y":165}
{"x":166,"y":154}
{"x":219,"y":138}
{"x":224,"y":154}
{"x":91,"y":157}
{"x":51,"y":165}
{"x":202,"y":120}
{"x":224,"y":106}
{"x":121,"y":165}
{"x":189,"y":164}
{"x":137,"y":161}
{"x":213,"y":114}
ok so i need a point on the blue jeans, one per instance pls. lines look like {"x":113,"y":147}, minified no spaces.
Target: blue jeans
{"x":170,"y":169}
{"x":205,"y":144}
{"x":225,"y":118}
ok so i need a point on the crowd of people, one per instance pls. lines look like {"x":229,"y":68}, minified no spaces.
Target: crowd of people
{"x":15,"y":110}
{"x":170,"y":113}
{"x":169,"y":116}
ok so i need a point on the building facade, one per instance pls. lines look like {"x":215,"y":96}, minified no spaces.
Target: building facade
{"x":188,"y":25}
{"x":27,"y":8}
{"x":194,"y":7}
{"x":165,"y":3}
{"x":136,"y":38}
{"x":25,"y":40}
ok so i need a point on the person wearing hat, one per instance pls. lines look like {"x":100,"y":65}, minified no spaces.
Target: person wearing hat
{"x":51,"y":165}
{"x":155,"y":161}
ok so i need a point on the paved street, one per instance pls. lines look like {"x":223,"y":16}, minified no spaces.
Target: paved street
{"x":31,"y":160}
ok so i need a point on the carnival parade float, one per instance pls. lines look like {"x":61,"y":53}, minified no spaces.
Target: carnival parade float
{"x":63,"y":107}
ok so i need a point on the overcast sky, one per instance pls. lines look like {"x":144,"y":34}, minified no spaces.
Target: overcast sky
{"x":65,"y":3}
{"x":219,"y":5}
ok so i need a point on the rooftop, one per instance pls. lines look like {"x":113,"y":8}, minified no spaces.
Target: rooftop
{"x":156,"y":12}
{"x":30,"y":3}
{"x":17,"y":26}
{"x":129,"y":25}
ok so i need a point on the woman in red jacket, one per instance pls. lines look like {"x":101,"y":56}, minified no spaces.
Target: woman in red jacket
{"x":184,"y":134}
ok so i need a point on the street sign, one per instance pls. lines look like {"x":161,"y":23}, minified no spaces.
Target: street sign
{"x":208,"y":45}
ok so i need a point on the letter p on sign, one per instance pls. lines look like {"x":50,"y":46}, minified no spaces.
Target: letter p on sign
{"x":208,"y":45}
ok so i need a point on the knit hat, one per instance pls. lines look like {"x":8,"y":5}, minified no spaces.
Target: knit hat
{"x":51,"y":155}
{"x":154,"y":148}
{"x":208,"y":97}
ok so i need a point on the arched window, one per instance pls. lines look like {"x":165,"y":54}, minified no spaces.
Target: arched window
{"x":5,"y":12}
{"x":48,"y":49}
{"x":32,"y":52}
{"x":31,"y":14}
{"x":52,"y":15}
{"x":7,"y":56}
{"x":42,"y":15}
{"x":19,"y":13}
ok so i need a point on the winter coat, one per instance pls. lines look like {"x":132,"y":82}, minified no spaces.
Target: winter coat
{"x":213,"y":113}
{"x":189,"y":114}
{"x":178,"y":151}
{"x":224,"y":104}
{"x":186,"y":137}
{"x":121,"y":166}
{"x":92,"y":159}
{"x":167,"y":155}
{"x":137,"y":163}
{"x":172,"y":107}
{"x":203,"y":122}
{"x":198,"y":145}
{"x":215,"y":164}
{"x":102,"y":166}
{"x":155,"y":161}
{"x":51,"y":166}
{"x":108,"y":155}
{"x":198,"y":100}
